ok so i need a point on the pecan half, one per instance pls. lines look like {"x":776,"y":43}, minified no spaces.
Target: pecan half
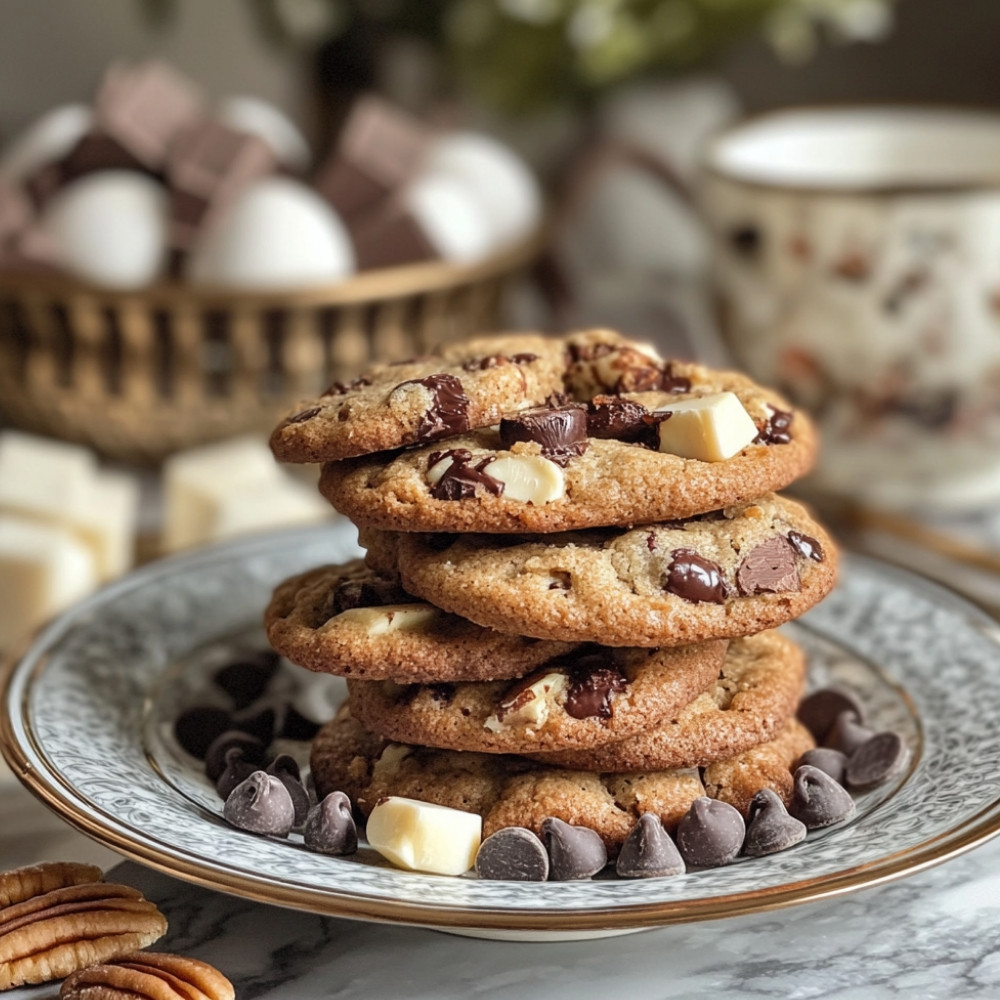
{"x":49,"y":934}
{"x":149,"y":974}
{"x":22,"y":883}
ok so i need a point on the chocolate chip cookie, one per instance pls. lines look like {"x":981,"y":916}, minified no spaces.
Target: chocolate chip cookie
{"x":756,"y":693}
{"x":725,"y":574}
{"x":592,"y":696}
{"x":348,"y":620}
{"x":465,"y":385}
{"x":504,"y":790}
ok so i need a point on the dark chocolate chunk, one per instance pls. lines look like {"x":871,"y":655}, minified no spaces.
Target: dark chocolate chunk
{"x":330,"y":826}
{"x":560,"y":430}
{"x":388,"y":237}
{"x":513,"y":854}
{"x":461,"y":480}
{"x":575,"y":852}
{"x":770,"y":568}
{"x":695,"y":579}
{"x":847,"y":734}
{"x":770,"y":829}
{"x":449,"y":410}
{"x":261,"y":804}
{"x":710,"y":834}
{"x":296,"y":726}
{"x":648,"y":851}
{"x":589,"y":352}
{"x":828,"y":760}
{"x":257,"y":721}
{"x":352,"y":594}
{"x":777,"y":428}
{"x":669,"y":382}
{"x":818,"y":800}
{"x":806,"y":547}
{"x":819,"y":711}
{"x":877,"y":760}
{"x":745,"y":239}
{"x":301,"y":418}
{"x":621,"y":419}
{"x":483,"y":364}
{"x":246,"y":680}
{"x":196,"y":728}
{"x":215,"y":757}
{"x":592,"y":692}
{"x":285,"y":768}
{"x":237,"y":770}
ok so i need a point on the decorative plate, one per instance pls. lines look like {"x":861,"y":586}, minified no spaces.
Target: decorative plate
{"x":84,"y":722}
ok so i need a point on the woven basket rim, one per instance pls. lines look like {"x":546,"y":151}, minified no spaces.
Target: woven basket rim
{"x":367,"y":286}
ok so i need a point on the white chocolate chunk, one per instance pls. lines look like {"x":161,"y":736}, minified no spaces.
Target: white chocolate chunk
{"x":42,"y":570}
{"x":280,"y":503}
{"x":423,"y":837}
{"x":528,"y":478}
{"x":529,"y":705}
{"x":390,"y":617}
{"x":709,"y":428}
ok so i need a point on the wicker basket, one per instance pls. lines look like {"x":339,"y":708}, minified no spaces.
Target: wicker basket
{"x":140,"y":375}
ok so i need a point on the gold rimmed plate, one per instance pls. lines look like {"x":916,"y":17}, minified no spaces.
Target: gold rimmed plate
{"x":85,"y":724}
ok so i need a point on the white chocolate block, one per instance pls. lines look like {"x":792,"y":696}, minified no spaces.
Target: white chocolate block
{"x":423,"y":837}
{"x":280,"y":503}
{"x":531,"y":705}
{"x":528,"y":478}
{"x":60,"y":485}
{"x":708,"y":428}
{"x":43,"y":569}
{"x":391,"y":617}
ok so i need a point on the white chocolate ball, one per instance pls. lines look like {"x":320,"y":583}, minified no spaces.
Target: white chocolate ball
{"x":263,"y":119}
{"x":277,"y":234}
{"x":110,"y":228}
{"x":47,"y":139}
{"x":507,"y":191}
{"x":451,"y":216}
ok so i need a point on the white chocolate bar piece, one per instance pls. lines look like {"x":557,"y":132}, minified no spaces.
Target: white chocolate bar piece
{"x":708,"y":428}
{"x":280,"y":503}
{"x":43,"y":569}
{"x":423,"y":837}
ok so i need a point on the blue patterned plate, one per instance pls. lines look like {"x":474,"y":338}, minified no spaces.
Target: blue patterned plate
{"x":85,"y":724}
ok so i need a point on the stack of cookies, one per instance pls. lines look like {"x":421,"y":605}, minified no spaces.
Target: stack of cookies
{"x":575,"y":558}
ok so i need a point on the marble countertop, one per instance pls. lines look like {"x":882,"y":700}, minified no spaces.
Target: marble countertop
{"x":934,"y":935}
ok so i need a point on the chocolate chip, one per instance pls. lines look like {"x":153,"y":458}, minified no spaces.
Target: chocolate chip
{"x":352,"y":594}
{"x":776,"y":429}
{"x":695,"y":579}
{"x":828,"y":760}
{"x":296,"y":726}
{"x":669,"y":382}
{"x":710,"y":834}
{"x":484,"y":364}
{"x":449,"y":410}
{"x":806,"y":547}
{"x":246,"y":680}
{"x":196,"y":728}
{"x":260,"y":804}
{"x":877,"y":760}
{"x":330,"y":826}
{"x":301,"y":418}
{"x":523,"y":358}
{"x":817,"y":800}
{"x":611,"y":417}
{"x":575,"y":852}
{"x":343,"y":388}
{"x":560,"y":430}
{"x":257,"y":721}
{"x":513,"y":854}
{"x":745,"y":239}
{"x":591,"y":692}
{"x":819,"y":711}
{"x":770,"y":828}
{"x":215,"y":757}
{"x":589,"y":352}
{"x":648,"y":851}
{"x":237,"y":769}
{"x":769,"y":568}
{"x":461,"y":479}
{"x":651,"y":541}
{"x":847,"y":734}
{"x":286,"y":770}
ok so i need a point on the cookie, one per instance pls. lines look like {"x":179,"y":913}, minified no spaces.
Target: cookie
{"x":349,"y":621}
{"x":592,"y":696}
{"x":756,"y":692}
{"x":568,"y":466}
{"x":463,"y":386}
{"x":505,"y":790}
{"x":723,"y":575}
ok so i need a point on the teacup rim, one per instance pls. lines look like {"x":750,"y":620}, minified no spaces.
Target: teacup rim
{"x":712,"y":169}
